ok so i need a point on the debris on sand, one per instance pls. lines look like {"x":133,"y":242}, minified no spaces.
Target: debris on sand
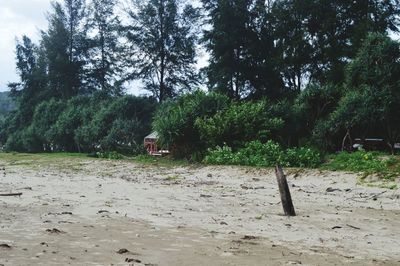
{"x":354,"y":227}
{"x":249,"y":237}
{"x":122,"y":251}
{"x":336,"y":227}
{"x":5,"y":246}
{"x":10,"y":194}
{"x":243,"y":186}
{"x":55,"y":231}
{"x":329,"y":189}
{"x":59,"y":213}
{"x":133,"y":260}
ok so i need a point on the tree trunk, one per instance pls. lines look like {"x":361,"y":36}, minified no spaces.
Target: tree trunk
{"x":345,"y":138}
{"x":391,"y":147}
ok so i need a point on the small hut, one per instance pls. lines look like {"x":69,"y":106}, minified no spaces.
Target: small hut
{"x":150,"y":143}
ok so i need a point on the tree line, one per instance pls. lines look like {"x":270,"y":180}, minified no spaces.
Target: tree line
{"x":312,"y":73}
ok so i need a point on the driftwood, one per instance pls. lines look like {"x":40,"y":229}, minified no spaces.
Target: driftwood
{"x":284,"y":191}
{"x":10,"y":194}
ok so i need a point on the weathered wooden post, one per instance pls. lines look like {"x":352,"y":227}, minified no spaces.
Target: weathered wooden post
{"x":284,"y":191}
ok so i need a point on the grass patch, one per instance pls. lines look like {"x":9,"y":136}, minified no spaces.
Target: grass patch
{"x":171,"y":178}
{"x":384,"y":166}
{"x":161,"y":161}
{"x":37,"y":156}
{"x":256,"y":153}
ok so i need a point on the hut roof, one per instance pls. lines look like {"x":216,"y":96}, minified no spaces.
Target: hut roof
{"x":152,"y":135}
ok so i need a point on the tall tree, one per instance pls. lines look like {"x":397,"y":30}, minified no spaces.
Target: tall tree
{"x":104,"y":25}
{"x":65,"y":46}
{"x":294,"y":49}
{"x":375,"y":73}
{"x":316,"y":39}
{"x":226,"y":42}
{"x":161,"y":46}
{"x":31,"y":89}
{"x":241,"y":45}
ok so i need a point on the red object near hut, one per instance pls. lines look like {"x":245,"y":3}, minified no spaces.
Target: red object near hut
{"x":150,"y":143}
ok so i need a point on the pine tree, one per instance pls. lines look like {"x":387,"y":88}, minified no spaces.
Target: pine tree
{"x":316,"y":39}
{"x":104,"y":50}
{"x":241,"y":46}
{"x":65,"y":47}
{"x":161,"y":46}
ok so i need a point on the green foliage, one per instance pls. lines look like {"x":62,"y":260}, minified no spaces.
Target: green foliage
{"x":299,"y":73}
{"x":375,"y":75}
{"x":120,"y":125}
{"x":175,"y":121}
{"x":161,"y":45}
{"x":369,"y":105}
{"x":64,"y":45}
{"x":239,"y":123}
{"x":352,"y":113}
{"x":266,"y":154}
{"x":263,"y":48}
{"x":316,"y":102}
{"x":385,"y":166}
{"x":86,"y":123}
{"x":104,"y":25}
{"x":45,"y":116}
{"x":242,"y":50}
{"x":112,"y":155}
{"x":6,"y":104}
{"x":302,"y":157}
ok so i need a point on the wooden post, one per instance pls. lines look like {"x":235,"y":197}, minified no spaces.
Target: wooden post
{"x":284,"y":191}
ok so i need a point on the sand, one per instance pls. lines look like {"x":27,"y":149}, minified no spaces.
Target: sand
{"x":99,"y":212}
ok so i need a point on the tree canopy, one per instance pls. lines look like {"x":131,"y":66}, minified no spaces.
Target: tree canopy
{"x":315,"y":73}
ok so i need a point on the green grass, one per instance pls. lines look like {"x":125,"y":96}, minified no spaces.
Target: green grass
{"x":171,"y":178}
{"x":161,"y":161}
{"x":34,"y":160}
{"x":387,"y":167}
{"x":29,"y":156}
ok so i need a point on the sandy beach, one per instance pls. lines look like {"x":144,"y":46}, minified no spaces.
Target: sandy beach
{"x":78,"y":211}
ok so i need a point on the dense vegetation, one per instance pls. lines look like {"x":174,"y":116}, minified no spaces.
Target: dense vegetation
{"x":288,"y":80}
{"x":6,"y":104}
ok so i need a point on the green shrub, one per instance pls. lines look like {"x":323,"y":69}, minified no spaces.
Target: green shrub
{"x":367,"y":162}
{"x":175,"y":122}
{"x":220,"y":155}
{"x":239,"y":123}
{"x":302,"y":157}
{"x":113,"y":155}
{"x":266,"y":154}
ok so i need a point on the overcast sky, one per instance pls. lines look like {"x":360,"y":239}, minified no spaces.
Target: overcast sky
{"x":26,"y":17}
{"x":18,"y":17}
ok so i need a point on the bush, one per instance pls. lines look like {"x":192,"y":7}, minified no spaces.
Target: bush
{"x":266,"y":154}
{"x":239,"y":123}
{"x":175,"y":122}
{"x":363,"y":161}
{"x":118,"y":125}
{"x":86,"y":123}
{"x":303,"y":157}
{"x":113,"y":155}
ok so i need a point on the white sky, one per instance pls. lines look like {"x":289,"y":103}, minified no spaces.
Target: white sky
{"x":18,"y":17}
{"x":25,"y":17}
